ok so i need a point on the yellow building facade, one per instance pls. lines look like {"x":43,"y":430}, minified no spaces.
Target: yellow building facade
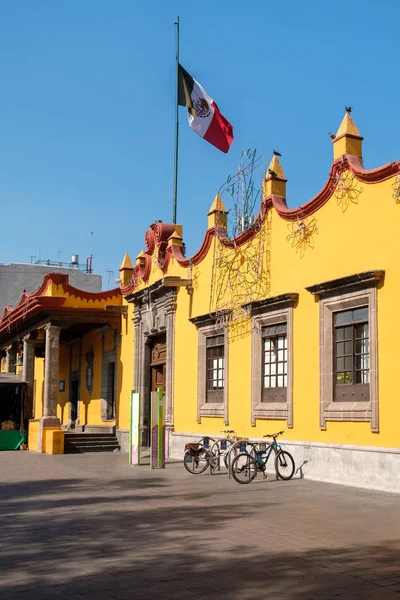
{"x":290,"y":326}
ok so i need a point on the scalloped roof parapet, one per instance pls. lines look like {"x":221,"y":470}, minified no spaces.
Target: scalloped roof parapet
{"x":38,"y":298}
{"x":158,"y":233}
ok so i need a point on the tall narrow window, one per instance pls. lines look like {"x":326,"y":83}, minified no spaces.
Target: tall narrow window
{"x":351,"y":354}
{"x":215,"y":369}
{"x":274,"y":363}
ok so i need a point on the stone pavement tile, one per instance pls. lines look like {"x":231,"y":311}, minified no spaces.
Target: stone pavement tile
{"x":91,"y":526}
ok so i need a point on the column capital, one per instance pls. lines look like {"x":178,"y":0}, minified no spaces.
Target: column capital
{"x":52,"y":327}
{"x":32,"y":336}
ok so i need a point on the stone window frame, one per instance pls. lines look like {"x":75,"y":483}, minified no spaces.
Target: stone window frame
{"x":278,"y":309}
{"x":208,"y":327}
{"x":347,"y":293}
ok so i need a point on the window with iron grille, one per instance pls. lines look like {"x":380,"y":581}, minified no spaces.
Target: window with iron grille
{"x":351,"y":354}
{"x":274,"y":363}
{"x":215,"y":368}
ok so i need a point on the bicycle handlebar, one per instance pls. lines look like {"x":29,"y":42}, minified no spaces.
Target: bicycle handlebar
{"x":274,"y":435}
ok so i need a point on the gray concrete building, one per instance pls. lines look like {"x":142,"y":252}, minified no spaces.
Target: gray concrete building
{"x":17,"y":277}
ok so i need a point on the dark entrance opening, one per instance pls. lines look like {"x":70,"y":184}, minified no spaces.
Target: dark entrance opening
{"x":11,"y":403}
{"x":111,"y":390}
{"x":12,"y":394}
{"x":74,"y":398}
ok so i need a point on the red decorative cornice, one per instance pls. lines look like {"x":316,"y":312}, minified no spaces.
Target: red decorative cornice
{"x":158,"y":233}
{"x":144,"y":270}
{"x":31,"y":304}
{"x":162,"y":231}
{"x":346,"y":162}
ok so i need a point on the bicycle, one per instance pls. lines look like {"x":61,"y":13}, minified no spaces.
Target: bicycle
{"x":196,"y":458}
{"x":246,"y":465}
{"x":207,"y":452}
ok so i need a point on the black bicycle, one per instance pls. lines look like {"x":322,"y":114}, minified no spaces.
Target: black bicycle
{"x":246,"y":465}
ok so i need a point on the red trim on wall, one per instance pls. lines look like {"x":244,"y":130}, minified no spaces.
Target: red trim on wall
{"x":158,"y":233}
{"x":346,"y":162}
{"x":35,"y":302}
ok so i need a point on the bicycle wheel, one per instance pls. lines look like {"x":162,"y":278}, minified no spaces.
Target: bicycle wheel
{"x":284,"y":465}
{"x":198,"y":463}
{"x":244,"y":468}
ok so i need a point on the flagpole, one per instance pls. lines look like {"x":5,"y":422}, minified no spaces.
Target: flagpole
{"x":176,"y":126}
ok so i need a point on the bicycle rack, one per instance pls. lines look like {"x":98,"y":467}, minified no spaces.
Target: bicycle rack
{"x":240,"y":442}
{"x":212,"y":466}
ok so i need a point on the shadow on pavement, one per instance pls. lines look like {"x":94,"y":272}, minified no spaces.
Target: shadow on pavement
{"x":145,"y":539}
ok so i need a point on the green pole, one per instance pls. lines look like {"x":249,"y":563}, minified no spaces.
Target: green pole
{"x":160,"y":428}
{"x":176,"y":127}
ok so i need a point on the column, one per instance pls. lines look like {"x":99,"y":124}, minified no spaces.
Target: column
{"x":11,"y":353}
{"x":51,"y":375}
{"x":28,"y":375}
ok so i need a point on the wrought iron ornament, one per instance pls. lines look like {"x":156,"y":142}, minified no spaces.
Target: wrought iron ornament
{"x":241,"y":265}
{"x":396,"y":189}
{"x":302,"y":234}
{"x":241,"y":193}
{"x":346,"y":189}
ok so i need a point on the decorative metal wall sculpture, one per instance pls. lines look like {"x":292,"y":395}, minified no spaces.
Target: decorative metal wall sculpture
{"x":396,"y":189}
{"x":346,"y":189}
{"x":241,"y":258}
{"x":241,"y":193}
{"x":302,"y":234}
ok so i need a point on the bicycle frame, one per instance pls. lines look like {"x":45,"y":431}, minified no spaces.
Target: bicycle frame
{"x":262,"y":456}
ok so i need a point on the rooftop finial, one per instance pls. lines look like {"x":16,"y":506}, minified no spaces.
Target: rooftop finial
{"x":348,"y":139}
{"x":275,"y":180}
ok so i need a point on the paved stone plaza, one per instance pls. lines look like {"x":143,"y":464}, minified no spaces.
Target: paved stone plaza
{"x":91,"y":527}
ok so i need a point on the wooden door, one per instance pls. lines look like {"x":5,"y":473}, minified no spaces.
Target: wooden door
{"x":158,"y":365}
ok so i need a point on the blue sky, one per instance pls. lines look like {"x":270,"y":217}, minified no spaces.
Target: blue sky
{"x":87,"y":110}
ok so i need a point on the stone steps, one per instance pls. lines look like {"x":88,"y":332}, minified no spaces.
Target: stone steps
{"x":79,"y":443}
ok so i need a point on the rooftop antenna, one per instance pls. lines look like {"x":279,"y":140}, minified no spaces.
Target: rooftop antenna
{"x":59,"y":252}
{"x":110,"y":273}
{"x":89,"y":260}
{"x":32,"y":256}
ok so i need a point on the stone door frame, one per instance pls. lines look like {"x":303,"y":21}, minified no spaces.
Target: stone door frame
{"x":154,"y":314}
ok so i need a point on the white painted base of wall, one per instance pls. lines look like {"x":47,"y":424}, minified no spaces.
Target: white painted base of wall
{"x":358,"y":466}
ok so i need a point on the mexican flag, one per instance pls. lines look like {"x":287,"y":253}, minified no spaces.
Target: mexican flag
{"x":203,"y":114}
